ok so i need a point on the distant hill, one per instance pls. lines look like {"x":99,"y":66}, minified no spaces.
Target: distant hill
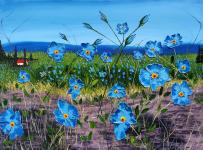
{"x":42,"y":46}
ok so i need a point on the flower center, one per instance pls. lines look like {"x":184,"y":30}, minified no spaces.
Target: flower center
{"x":75,"y":87}
{"x":23,"y":77}
{"x":173,"y":41}
{"x":116,"y":91}
{"x":181,"y":94}
{"x":123,"y":119}
{"x":153,"y":49}
{"x":154,"y":75}
{"x":56,"y":51}
{"x":183,"y":67}
{"x":106,"y":57}
{"x":87,"y":52}
{"x":65,"y":116}
{"x":12,"y":124}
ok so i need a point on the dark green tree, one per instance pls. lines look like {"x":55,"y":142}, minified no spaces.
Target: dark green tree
{"x":31,"y":57}
{"x":25,"y":59}
{"x":199,"y":58}
{"x":15,"y":56}
{"x":2,"y":52}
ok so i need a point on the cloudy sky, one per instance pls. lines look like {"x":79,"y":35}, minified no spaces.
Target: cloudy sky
{"x":42,"y":20}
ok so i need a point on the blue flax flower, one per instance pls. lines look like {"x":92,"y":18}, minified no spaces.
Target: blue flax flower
{"x":117,"y":91}
{"x":183,"y":66}
{"x":106,"y":57}
{"x":75,"y":86}
{"x":10,"y":123}
{"x":23,"y":77}
{"x":122,"y":28}
{"x":153,"y":48}
{"x":87,"y":51}
{"x":56,"y":51}
{"x":138,"y":55}
{"x":66,"y":114}
{"x":173,"y":40}
{"x":154,"y":76}
{"x":122,"y":119}
{"x":180,"y":94}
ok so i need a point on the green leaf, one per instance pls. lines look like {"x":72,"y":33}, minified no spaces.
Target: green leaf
{"x":26,"y":93}
{"x":33,"y":91}
{"x":152,"y":96}
{"x":172,"y":59}
{"x":132,"y":140}
{"x":144,"y":94}
{"x":161,"y":90}
{"x":167,"y":94}
{"x":79,"y":123}
{"x":63,"y":36}
{"x":134,"y":95}
{"x":15,"y":99}
{"x":145,"y":110}
{"x":46,"y":99}
{"x":88,"y":26}
{"x":83,"y":138}
{"x":95,"y":82}
{"x":130,"y":39}
{"x":92,"y":124}
{"x":103,"y":17}
{"x":4,"y":103}
{"x":101,"y":118}
{"x":152,"y":128}
{"x":144,"y":20}
{"x":89,"y":136}
{"x":7,"y":142}
{"x":164,"y":110}
{"x":137,"y":111}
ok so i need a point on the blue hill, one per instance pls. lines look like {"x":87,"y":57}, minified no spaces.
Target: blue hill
{"x":42,"y":46}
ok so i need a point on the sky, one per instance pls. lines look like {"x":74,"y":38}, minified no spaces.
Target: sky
{"x":43,"y":20}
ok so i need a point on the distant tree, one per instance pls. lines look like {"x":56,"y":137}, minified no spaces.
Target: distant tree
{"x":199,"y":58}
{"x":25,"y":59}
{"x":31,"y":57}
{"x":2,"y":53}
{"x":15,"y":56}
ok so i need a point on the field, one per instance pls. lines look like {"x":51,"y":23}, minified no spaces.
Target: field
{"x":125,"y":71}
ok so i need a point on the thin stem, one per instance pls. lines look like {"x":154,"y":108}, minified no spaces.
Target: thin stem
{"x":114,"y":33}
{"x":104,"y":36}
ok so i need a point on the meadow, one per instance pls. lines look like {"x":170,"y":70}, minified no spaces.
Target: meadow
{"x":94,"y":73}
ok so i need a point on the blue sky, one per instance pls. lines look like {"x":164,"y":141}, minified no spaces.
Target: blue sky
{"x":42,"y":20}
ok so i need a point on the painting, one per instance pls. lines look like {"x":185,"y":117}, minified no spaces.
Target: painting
{"x":101,"y":75}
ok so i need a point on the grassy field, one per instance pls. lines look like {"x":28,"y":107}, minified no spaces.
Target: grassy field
{"x":89,"y":72}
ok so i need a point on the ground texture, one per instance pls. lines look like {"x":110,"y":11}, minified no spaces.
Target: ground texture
{"x":177,"y":129}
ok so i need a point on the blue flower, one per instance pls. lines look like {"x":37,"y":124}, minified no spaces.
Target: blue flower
{"x":122,"y":28}
{"x":10,"y":123}
{"x":66,"y":114}
{"x":23,"y":77}
{"x":122,"y":119}
{"x":154,"y":76}
{"x":87,"y":51}
{"x":102,"y":74}
{"x":173,"y":40}
{"x":106,"y":57}
{"x":132,"y":70}
{"x":180,"y":93}
{"x":56,"y":51}
{"x":137,"y":55}
{"x":183,"y":66}
{"x":117,"y":91}
{"x":153,"y":48}
{"x":75,"y":86}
